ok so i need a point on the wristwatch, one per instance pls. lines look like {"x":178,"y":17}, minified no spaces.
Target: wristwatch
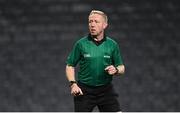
{"x":72,"y":82}
{"x":117,"y":71}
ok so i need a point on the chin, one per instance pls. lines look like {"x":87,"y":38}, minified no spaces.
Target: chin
{"x":94,"y":34}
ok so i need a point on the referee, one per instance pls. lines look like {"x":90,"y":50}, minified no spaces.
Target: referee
{"x":99,"y":60}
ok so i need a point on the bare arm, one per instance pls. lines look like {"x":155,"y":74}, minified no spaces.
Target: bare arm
{"x":70,"y":74}
{"x":121,"y":69}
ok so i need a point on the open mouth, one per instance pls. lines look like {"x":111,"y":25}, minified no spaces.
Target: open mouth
{"x":93,"y":30}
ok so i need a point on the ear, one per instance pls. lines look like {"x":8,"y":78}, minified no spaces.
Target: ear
{"x":105,"y":25}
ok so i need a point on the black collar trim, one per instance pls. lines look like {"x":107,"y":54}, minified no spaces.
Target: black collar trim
{"x":96,"y":42}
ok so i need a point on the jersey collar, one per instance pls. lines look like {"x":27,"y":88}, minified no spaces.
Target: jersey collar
{"x":96,"y":42}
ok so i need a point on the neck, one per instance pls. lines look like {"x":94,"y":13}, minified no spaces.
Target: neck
{"x":98,"y":37}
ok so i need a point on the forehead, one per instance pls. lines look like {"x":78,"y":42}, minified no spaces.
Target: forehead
{"x":95,"y":16}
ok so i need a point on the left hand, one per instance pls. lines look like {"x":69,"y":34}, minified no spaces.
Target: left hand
{"x":111,"y":69}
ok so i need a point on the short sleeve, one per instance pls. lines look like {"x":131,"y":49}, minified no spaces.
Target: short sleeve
{"x":117,"y":58}
{"x":74,"y":55}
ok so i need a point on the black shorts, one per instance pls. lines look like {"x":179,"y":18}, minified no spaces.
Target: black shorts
{"x":104,"y":97}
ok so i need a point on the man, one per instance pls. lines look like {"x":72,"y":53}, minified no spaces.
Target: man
{"x":99,"y":59}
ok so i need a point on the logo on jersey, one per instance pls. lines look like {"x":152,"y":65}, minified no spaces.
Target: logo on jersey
{"x":87,"y":55}
{"x":106,"y":56}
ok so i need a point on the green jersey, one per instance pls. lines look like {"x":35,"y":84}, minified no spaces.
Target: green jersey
{"x":93,"y":58}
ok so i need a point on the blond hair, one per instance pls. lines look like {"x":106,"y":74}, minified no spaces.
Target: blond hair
{"x":100,"y":13}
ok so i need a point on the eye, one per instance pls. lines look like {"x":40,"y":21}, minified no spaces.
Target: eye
{"x":97,"y":21}
{"x":90,"y":21}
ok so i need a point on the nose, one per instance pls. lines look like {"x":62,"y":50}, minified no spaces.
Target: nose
{"x":92,"y":24}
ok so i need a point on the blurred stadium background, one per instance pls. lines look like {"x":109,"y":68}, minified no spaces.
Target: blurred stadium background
{"x":37,"y":35}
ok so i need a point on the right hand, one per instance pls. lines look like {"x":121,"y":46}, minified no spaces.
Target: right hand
{"x":111,"y":70}
{"x":76,"y":90}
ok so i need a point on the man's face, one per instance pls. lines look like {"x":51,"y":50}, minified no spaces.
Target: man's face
{"x":97,"y":24}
